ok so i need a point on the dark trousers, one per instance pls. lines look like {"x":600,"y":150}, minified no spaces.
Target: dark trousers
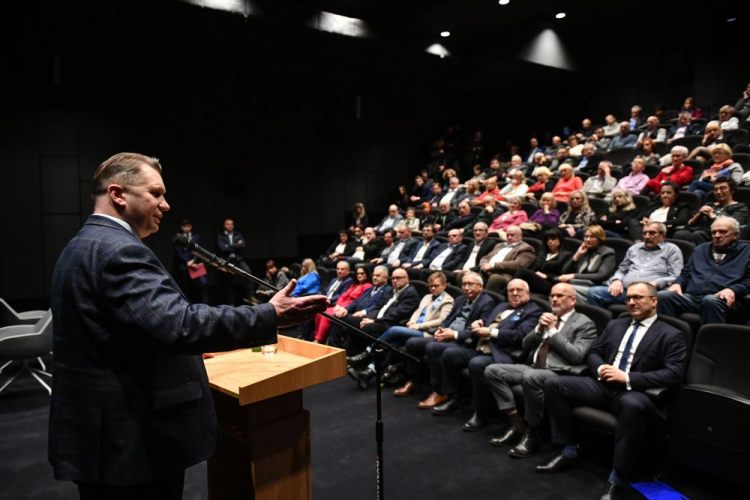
{"x":417,"y":346}
{"x":167,"y":487}
{"x":536,"y":284}
{"x":634,"y":410}
{"x":357,"y":343}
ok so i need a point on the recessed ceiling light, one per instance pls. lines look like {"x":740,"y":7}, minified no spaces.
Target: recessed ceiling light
{"x":445,"y":34}
{"x":504,"y":2}
{"x":560,"y":15}
{"x":731,"y":19}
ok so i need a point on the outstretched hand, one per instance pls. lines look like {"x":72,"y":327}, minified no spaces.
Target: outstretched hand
{"x":292,"y":311}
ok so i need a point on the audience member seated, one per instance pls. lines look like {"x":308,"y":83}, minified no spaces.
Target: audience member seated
{"x":647,"y":152}
{"x":636,"y":120}
{"x":490,"y":341}
{"x":611,"y":127}
{"x":402,"y":247}
{"x":545,"y":217}
{"x":495,"y":171}
{"x":473,"y":190}
{"x":743,"y":104}
{"x":624,"y":138}
{"x":716,"y":275}
{"x":474,"y":304}
{"x":505,"y":259}
{"x":567,"y":184}
{"x":538,"y":163}
{"x":358,"y":217}
{"x":389,"y":237}
{"x":534,"y":149}
{"x":513,"y":217}
{"x":427,"y":216}
{"x":653,"y":261}
{"x":421,"y":191}
{"x":516,"y":165}
{"x":561,"y":156}
{"x":727,"y":120}
{"x":666,"y":210}
{"x":340,"y":283}
{"x":390,"y":221}
{"x":397,"y":305}
{"x":309,"y":282}
{"x":516,"y":187}
{"x":588,"y":160}
{"x":338,"y":250}
{"x":678,"y":172}
{"x":401,"y":200}
{"x":587,"y":130}
{"x":464,"y":219}
{"x":490,"y":189}
{"x":482,"y":246}
{"x":447,"y":256}
{"x":275,"y":277}
{"x":684,"y":128}
{"x":551,"y":151}
{"x":698,"y":226}
{"x":368,"y":249}
{"x":444,"y":216}
{"x":543,"y":273}
{"x":423,"y":252}
{"x":689,"y":106}
{"x":600,"y":140}
{"x":713,"y":137}
{"x":592,"y":263}
{"x":369,"y":302}
{"x":411,"y":220}
{"x":636,"y":180}
{"x":479,"y":174}
{"x":426,"y":318}
{"x":578,"y":216}
{"x":652,"y":131}
{"x":455,"y":192}
{"x":558,"y":342}
{"x":436,"y":195}
{"x":491,"y":211}
{"x":542,"y":175}
{"x":600,"y":185}
{"x":622,"y":210}
{"x":619,"y":377}
{"x":575,"y":147}
{"x":722,"y":166}
{"x":352,"y":293}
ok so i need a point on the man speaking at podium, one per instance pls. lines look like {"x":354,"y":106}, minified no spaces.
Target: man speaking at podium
{"x":131,"y":407}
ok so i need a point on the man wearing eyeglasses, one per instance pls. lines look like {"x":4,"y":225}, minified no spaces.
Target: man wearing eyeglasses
{"x":632,"y":355}
{"x":653,"y":260}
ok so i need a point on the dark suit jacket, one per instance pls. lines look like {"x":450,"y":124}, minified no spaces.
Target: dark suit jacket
{"x":432,"y":246}
{"x":182,"y":256}
{"x":233,"y":251}
{"x":344,"y":286}
{"x":485,"y":248}
{"x":592,"y":164}
{"x":369,"y":300}
{"x":480,"y":309}
{"x":512,"y":329}
{"x":659,"y":361}
{"x":407,"y":302}
{"x":455,"y":258}
{"x":408,"y":248}
{"x":130,"y":396}
{"x":553,"y":267}
{"x":459,"y":222}
{"x":348,"y":247}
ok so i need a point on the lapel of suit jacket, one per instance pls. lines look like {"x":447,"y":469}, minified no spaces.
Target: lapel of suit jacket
{"x":651,"y":334}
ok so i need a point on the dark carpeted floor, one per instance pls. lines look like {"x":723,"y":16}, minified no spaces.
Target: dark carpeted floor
{"x":426,"y":457}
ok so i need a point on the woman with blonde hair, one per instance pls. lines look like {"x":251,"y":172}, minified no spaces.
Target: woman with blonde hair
{"x":616,"y":223}
{"x":723,"y":166}
{"x":592,"y":263}
{"x":578,"y":215}
{"x":309,"y":282}
{"x":516,"y":187}
{"x":358,"y":217}
{"x":567,"y":184}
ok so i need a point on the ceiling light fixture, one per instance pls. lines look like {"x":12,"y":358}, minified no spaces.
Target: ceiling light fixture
{"x":504,"y":2}
{"x":560,"y":15}
{"x":445,"y":34}
{"x":731,"y":19}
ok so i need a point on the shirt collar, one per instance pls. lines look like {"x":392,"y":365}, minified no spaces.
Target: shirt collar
{"x":120,"y":222}
{"x":648,"y":321}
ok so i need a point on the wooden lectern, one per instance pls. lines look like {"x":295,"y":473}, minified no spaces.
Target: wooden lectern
{"x":265,"y":444}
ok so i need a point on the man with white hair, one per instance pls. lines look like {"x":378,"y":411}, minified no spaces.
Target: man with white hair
{"x":652,"y":131}
{"x":683,"y":127}
{"x":390,"y":221}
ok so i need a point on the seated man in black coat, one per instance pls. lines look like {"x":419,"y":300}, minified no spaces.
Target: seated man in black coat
{"x":447,"y":257}
{"x":632,"y":355}
{"x":464,"y":218}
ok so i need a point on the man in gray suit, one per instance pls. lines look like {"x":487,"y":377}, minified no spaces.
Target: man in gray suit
{"x":560,"y":341}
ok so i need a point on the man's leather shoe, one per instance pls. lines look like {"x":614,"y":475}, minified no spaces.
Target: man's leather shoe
{"x":476,"y":422}
{"x":389,"y":372}
{"x":557,"y":464}
{"x":364,"y":377}
{"x":530,"y":444}
{"x":361,"y":359}
{"x":447,"y":407}
{"x":433,"y":400}
{"x":408,"y":388}
{"x":614,"y":492}
{"x":510,"y":437}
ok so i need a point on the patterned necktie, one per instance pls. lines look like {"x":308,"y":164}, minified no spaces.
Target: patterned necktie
{"x":541,"y":355}
{"x":628,"y":348}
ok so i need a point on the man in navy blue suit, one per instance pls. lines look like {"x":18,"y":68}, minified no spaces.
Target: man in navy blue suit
{"x":632,"y":355}
{"x":131,"y":407}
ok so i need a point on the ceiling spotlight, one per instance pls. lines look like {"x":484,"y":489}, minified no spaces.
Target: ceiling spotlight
{"x":560,"y":15}
{"x":731,"y":19}
{"x":445,"y":34}
{"x":504,"y":2}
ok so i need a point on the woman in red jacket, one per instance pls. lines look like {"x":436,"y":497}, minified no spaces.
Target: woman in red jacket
{"x":677,"y":172}
{"x":362,"y":284}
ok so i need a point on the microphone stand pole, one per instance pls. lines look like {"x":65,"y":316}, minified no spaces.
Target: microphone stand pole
{"x":378,"y":351}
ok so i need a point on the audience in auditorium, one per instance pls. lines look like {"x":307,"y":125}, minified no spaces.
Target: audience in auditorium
{"x":648,"y":153}
{"x":722,"y":166}
{"x":616,"y":222}
{"x":636,"y":180}
{"x":652,"y":131}
{"x":578,"y":215}
{"x":548,"y":265}
{"x":513,"y":217}
{"x":678,"y":172}
{"x":343,"y":247}
{"x":390,"y":221}
{"x":352,"y":293}
{"x":698,"y":226}
{"x":546,"y":216}
{"x":592,"y":263}
{"x":275,"y":277}
{"x":423,"y":252}
{"x":600,"y":185}
{"x":624,"y":139}
{"x":309,"y":282}
{"x":611,"y":127}
{"x":713,"y":137}
{"x":684,"y":128}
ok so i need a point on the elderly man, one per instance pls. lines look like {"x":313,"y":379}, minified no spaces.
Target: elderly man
{"x":454,"y":193}
{"x":612,"y":128}
{"x":588,"y":161}
{"x":683,"y":127}
{"x":369,"y":248}
{"x":601,"y":184}
{"x":389,"y":238}
{"x":402,"y":247}
{"x":445,"y":216}
{"x":636,"y":180}
{"x":631,"y":356}
{"x":716,"y":274}
{"x":534,"y":149}
{"x":551,"y":151}
{"x":432,"y":311}
{"x":635,"y":117}
{"x":506,"y":258}
{"x":586,"y":129}
{"x":558,"y":343}
{"x":390,"y":221}
{"x":437,"y":194}
{"x":652,"y":131}
{"x":129,"y":377}
{"x":482,"y":246}
{"x":447,"y":256}
{"x":463,"y":219}
{"x":623,"y":139}
{"x":599,"y":140}
{"x":652,"y":261}
{"x":560,"y":158}
{"x":471,"y":306}
{"x":713,"y":137}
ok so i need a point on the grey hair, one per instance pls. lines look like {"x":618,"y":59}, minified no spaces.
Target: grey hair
{"x":382,"y":268}
{"x":734,"y":222}
{"x":475,"y":275}
{"x":680,"y":149}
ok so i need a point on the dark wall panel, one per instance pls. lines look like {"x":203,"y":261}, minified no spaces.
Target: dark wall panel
{"x":58,"y":230}
{"x":60,"y":185}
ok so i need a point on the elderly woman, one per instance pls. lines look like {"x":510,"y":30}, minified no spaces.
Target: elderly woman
{"x":411,"y":221}
{"x":723,"y":166}
{"x":490,"y":189}
{"x":601,"y":185}
{"x":515,"y":216}
{"x":578,"y":216}
{"x":665,"y":210}
{"x":567,"y":184}
{"x":698,"y":228}
{"x":546,"y":217}
{"x":542,"y":275}
{"x":516,"y":187}
{"x":473,"y":189}
{"x":309,"y":282}
{"x":636,"y":180}
{"x":622,"y":210}
{"x":592,"y":263}
{"x":678,"y":172}
{"x":542,"y":175}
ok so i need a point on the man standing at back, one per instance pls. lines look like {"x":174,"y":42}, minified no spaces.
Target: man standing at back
{"x":131,"y":407}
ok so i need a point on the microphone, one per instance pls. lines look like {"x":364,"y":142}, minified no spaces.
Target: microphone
{"x":209,"y":258}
